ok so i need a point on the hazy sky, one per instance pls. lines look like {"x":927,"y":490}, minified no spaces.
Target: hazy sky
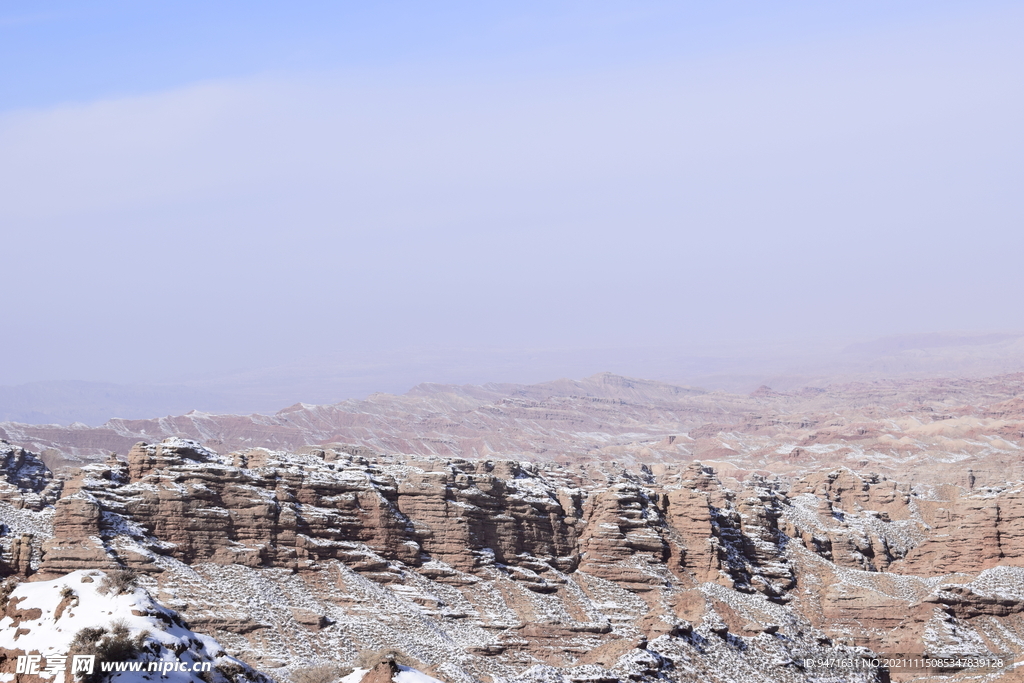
{"x":191,"y":188}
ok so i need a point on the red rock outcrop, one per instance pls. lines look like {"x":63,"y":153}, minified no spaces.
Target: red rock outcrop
{"x":25,"y":482}
{"x":601,"y":572}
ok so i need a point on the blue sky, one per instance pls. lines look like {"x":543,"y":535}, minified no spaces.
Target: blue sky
{"x":58,"y":52}
{"x":189,"y":189}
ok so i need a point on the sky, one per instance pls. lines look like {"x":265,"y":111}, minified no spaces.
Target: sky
{"x":199,"y":190}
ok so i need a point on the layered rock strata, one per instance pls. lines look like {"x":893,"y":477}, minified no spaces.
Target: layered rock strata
{"x":497,"y":569}
{"x":929,"y":432}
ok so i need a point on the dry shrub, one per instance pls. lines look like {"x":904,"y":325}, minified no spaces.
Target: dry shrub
{"x":113,"y":645}
{"x":119,"y":581}
{"x":87,"y":638}
{"x":228,"y":670}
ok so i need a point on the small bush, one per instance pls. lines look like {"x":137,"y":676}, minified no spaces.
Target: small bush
{"x":118,"y":646}
{"x":119,"y":581}
{"x":140,"y":639}
{"x":229,"y":670}
{"x":113,"y":645}
{"x":324,"y":673}
{"x":67,"y":592}
{"x":87,"y":638}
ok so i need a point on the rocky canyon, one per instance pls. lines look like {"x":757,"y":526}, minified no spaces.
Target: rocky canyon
{"x":600,"y":530}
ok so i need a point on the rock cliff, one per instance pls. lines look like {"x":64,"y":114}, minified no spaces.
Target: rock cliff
{"x":495,"y":569}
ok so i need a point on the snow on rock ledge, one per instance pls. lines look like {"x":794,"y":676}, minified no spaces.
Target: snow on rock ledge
{"x":388,"y":672}
{"x":44,"y":618}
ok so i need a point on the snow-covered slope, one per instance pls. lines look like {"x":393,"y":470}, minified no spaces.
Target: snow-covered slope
{"x":91,"y":612}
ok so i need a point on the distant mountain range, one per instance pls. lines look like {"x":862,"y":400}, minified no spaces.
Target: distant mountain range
{"x":906,"y":427}
{"x":330,"y":380}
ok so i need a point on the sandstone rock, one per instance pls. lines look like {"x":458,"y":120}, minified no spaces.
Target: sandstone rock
{"x":382,"y":672}
{"x":490,"y":566}
{"x":25,"y":482}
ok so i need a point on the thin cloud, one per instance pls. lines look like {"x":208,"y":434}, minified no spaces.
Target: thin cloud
{"x":846,"y":189}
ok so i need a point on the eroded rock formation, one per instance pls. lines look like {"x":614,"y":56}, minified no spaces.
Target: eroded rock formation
{"x":493,"y":569}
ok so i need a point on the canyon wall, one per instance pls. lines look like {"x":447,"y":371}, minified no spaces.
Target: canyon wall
{"x":495,"y":570}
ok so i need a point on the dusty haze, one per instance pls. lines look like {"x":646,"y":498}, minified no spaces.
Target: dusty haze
{"x":676,"y":194}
